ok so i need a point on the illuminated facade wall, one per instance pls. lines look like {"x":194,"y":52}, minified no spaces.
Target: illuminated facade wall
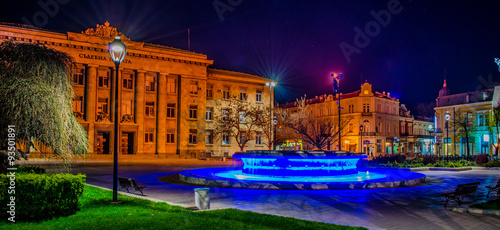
{"x":476,"y":108}
{"x":159,"y":88}
{"x":385,"y":130}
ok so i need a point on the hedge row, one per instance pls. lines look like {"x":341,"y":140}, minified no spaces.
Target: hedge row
{"x":40,"y":196}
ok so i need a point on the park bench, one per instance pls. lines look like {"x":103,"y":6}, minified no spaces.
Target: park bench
{"x":493,"y":188}
{"x":462,"y":191}
{"x":126,"y":183}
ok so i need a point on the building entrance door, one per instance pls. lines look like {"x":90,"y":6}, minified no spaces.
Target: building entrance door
{"x":102,"y":143}
{"x":127,"y":143}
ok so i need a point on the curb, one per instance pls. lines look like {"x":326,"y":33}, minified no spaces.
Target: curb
{"x":477,"y":211}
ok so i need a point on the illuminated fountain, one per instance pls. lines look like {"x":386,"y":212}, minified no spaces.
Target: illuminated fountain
{"x":300,"y":170}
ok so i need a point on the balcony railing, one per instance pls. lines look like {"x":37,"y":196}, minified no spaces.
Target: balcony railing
{"x":366,"y":113}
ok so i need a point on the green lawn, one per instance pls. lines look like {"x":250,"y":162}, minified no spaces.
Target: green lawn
{"x":96,"y":213}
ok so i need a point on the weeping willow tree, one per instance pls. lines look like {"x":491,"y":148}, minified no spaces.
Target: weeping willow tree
{"x":35,"y":96}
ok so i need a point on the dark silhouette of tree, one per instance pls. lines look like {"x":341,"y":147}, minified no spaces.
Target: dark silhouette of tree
{"x":462,"y":127}
{"x":317,"y":131}
{"x":239,"y":119}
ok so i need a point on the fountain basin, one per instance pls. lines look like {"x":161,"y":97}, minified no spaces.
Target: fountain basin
{"x":299,"y":163}
{"x":300,"y":170}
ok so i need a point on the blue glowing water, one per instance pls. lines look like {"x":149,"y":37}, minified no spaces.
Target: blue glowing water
{"x":299,"y":165}
{"x":359,"y":177}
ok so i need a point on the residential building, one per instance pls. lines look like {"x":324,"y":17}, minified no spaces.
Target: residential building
{"x":388,"y":126}
{"x":471,"y":111}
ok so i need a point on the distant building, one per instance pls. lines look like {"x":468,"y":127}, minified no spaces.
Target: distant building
{"x":472,"y":109}
{"x":167,"y":95}
{"x":388,"y":126}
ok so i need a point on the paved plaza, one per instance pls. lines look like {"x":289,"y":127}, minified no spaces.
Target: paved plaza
{"x":413,"y":208}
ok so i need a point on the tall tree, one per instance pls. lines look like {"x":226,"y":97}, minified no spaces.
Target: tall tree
{"x":314,"y":130}
{"x":464,"y":127}
{"x":238,"y":119}
{"x":35,"y":97}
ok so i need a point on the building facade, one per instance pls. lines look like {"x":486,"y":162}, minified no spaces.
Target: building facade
{"x":387,"y":125}
{"x":166,"y":95}
{"x":465,"y":121}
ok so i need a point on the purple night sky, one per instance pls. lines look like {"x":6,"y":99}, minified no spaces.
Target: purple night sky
{"x":298,"y":43}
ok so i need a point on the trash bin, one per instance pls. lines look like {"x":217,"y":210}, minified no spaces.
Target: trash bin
{"x":202,"y":198}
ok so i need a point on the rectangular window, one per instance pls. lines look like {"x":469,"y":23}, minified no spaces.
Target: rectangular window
{"x":78,"y":76}
{"x":193,"y":111}
{"x":482,"y":119}
{"x":77,"y":104}
{"x":208,"y":115}
{"x":127,"y":81}
{"x":243,"y":95}
{"x":103,"y":78}
{"x":102,"y":105}
{"x":171,"y":85}
{"x":148,"y":137}
{"x":171,"y":110}
{"x":258,"y":97}
{"x":225,"y":92}
{"x":258,"y":138}
{"x":192,"y":136}
{"x":150,"y":109}
{"x":193,"y":87}
{"x":243,"y":117}
{"x":209,"y":137}
{"x":243,"y":138}
{"x":170,"y":135}
{"x":225,"y":115}
{"x":225,"y":138}
{"x":210,"y":91}
{"x":150,"y":83}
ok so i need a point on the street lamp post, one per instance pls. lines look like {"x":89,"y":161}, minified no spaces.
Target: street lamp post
{"x":271,"y":92}
{"x":447,"y":117}
{"x":430,"y":129}
{"x":336,"y":89}
{"x":117,"y":51}
{"x":361,"y":133}
{"x":275,"y":122}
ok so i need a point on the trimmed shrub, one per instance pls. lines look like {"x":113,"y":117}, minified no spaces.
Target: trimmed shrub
{"x":429,"y":160}
{"x":482,"y":159}
{"x":492,"y":164}
{"x":31,"y":169}
{"x":41,"y":197}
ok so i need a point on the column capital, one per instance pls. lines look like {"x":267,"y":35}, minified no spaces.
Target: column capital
{"x":93,"y":65}
{"x":141,"y":71}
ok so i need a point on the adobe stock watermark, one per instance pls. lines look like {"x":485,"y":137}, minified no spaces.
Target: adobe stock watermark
{"x":11,"y":173}
{"x":372,"y":29}
{"x":50,"y":8}
{"x":221,"y":7}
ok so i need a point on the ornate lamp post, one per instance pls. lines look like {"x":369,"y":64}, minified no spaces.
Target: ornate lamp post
{"x":117,"y":51}
{"x":447,"y":117}
{"x":361,"y":133}
{"x":271,"y":93}
{"x":275,"y":122}
{"x":431,"y":130}
{"x":336,"y":89}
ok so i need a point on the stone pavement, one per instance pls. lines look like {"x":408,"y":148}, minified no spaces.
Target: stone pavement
{"x":413,"y":208}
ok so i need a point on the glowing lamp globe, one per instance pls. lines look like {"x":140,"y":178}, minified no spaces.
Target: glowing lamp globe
{"x":117,"y":50}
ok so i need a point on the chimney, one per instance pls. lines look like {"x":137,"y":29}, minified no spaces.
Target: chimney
{"x":383,"y":93}
{"x":388,"y":94}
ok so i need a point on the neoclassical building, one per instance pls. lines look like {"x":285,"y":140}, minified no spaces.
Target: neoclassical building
{"x":388,"y":126}
{"x":167,"y":95}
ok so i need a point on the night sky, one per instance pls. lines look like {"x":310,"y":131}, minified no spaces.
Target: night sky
{"x":298,"y":43}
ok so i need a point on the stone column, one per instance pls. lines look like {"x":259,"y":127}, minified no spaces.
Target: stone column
{"x":161,"y":117}
{"x":90,"y":103}
{"x":139,"y":110}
